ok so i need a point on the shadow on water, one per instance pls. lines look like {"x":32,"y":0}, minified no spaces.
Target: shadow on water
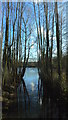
{"x":38,"y":98}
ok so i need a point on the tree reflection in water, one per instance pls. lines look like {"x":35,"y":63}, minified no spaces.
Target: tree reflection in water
{"x":23,"y":90}
{"x":53,"y":102}
{"x":38,"y":98}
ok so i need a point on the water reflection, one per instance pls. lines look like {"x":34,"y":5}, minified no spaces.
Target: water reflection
{"x":37,"y":98}
{"x":32,"y":85}
{"x":23,"y":96}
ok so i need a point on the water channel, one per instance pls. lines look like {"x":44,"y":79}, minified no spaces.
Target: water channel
{"x":30,"y":100}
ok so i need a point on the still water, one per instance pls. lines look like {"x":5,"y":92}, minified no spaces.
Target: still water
{"x":32,"y":101}
{"x":28,"y":98}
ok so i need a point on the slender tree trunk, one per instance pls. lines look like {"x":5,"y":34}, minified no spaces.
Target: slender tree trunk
{"x":38,"y":43}
{"x":61,"y":34}
{"x":52,"y":44}
{"x":43,"y":40}
{"x":6,"y":39}
{"x":47,"y":35}
{"x":25,"y":63}
{"x":67,"y":43}
{"x":25,"y":43}
{"x":57,"y":38}
{"x":67,"y":66}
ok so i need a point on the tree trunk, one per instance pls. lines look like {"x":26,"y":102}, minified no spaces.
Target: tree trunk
{"x":52,"y":45}
{"x":47,"y":36}
{"x":57,"y":38}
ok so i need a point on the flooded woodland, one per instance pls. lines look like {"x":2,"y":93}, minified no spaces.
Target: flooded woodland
{"x":34,"y":60}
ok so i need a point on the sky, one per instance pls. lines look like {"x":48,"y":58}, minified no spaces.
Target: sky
{"x":33,"y":51}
